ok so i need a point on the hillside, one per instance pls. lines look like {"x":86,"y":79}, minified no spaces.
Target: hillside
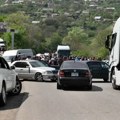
{"x":56,"y":19}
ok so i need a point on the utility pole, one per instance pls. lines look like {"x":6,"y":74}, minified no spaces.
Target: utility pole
{"x":12,"y":35}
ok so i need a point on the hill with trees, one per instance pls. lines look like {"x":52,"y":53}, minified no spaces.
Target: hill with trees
{"x":43,"y":24}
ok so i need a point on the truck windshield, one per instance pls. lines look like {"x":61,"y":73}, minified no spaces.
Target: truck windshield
{"x":64,"y":52}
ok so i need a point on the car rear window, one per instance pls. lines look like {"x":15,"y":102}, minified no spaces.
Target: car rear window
{"x":73,"y":64}
{"x":94,"y":64}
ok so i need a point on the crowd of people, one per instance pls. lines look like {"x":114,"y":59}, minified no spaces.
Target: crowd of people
{"x":52,"y":60}
{"x":57,"y":61}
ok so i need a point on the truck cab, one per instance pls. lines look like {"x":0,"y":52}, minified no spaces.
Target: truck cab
{"x":113,"y":45}
{"x":63,"y":50}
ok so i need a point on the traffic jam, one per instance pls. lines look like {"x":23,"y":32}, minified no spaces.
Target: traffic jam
{"x":67,"y":71}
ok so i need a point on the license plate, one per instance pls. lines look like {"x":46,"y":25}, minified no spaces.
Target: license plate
{"x":74,"y":74}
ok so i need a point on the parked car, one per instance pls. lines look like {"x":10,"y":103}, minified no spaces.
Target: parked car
{"x":74,"y":73}
{"x":9,"y":82}
{"x":99,"y":69}
{"x":34,"y":70}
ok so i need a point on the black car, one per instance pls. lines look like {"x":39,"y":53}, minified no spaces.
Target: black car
{"x":74,"y":73}
{"x":99,"y":69}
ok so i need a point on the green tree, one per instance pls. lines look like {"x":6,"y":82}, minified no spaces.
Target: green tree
{"x":53,"y":42}
{"x":35,"y":38}
{"x":76,"y":38}
{"x":19,"y":24}
{"x":28,"y":35}
{"x":98,"y":43}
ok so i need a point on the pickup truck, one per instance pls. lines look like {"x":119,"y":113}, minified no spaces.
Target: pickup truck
{"x":9,"y":82}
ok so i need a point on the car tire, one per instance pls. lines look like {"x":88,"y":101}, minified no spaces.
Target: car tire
{"x":54,"y":79}
{"x":105,"y":79}
{"x":39,"y":77}
{"x":3,"y":96}
{"x":90,"y":87}
{"x":58,"y":86}
{"x":17,"y":89}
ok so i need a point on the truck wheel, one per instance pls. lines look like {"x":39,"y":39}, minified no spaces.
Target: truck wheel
{"x":113,"y":80}
{"x":17,"y":88}
{"x":3,"y":97}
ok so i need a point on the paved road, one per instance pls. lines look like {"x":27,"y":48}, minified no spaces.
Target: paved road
{"x":42,"y":101}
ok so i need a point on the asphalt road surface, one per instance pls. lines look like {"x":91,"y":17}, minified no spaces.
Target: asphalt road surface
{"x":42,"y":101}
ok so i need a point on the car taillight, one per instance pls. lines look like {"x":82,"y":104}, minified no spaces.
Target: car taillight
{"x":61,"y":73}
{"x":88,"y":74}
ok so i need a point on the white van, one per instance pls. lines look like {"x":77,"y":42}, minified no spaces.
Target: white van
{"x":10,"y":55}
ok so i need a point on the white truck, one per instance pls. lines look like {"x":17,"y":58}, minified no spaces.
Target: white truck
{"x":113,"y":44}
{"x":63,"y":50}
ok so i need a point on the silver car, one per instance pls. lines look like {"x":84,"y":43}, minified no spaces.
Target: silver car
{"x":35,"y":70}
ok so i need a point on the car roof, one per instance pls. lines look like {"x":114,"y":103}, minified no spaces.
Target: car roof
{"x":73,"y":63}
{"x":94,"y":61}
{"x":29,"y":60}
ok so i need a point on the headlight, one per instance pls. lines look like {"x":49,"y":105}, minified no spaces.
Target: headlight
{"x":47,"y":72}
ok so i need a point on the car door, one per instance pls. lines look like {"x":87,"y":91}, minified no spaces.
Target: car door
{"x":105,"y":70}
{"x":9,"y":75}
{"x":95,"y":68}
{"x":23,"y":69}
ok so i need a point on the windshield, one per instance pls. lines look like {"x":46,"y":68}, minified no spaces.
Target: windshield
{"x":73,"y":64}
{"x":8,"y":58}
{"x":64,"y":52}
{"x":37,"y":64}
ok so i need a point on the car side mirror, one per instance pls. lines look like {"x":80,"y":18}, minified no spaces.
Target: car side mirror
{"x":12,"y":67}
